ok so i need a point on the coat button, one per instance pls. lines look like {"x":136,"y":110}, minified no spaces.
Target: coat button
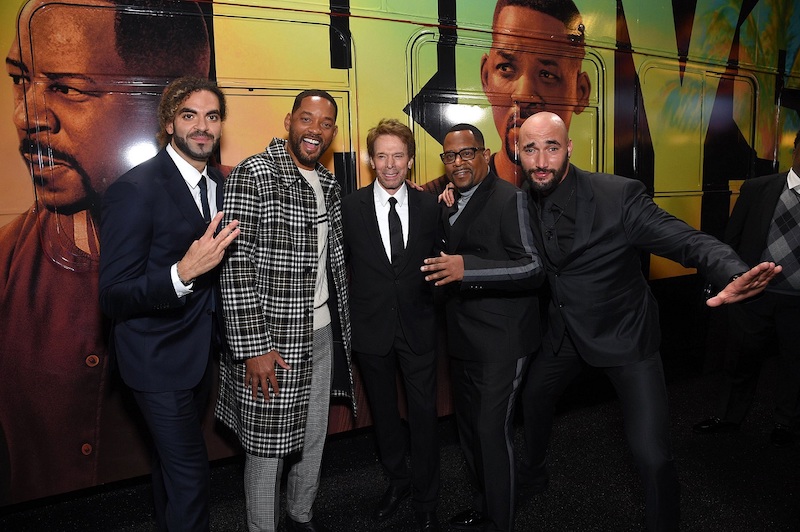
{"x":86,"y":449}
{"x":92,"y":360}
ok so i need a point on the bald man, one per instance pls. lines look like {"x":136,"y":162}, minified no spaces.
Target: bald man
{"x":592,"y":229}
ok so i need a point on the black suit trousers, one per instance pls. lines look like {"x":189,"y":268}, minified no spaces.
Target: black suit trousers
{"x":761,"y":327}
{"x":418,"y":371}
{"x":484,"y":395}
{"x":180,"y":467}
{"x":642,"y":394}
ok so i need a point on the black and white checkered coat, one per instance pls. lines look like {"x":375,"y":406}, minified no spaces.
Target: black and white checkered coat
{"x":268,"y":295}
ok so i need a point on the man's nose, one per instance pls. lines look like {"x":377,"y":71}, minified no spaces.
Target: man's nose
{"x":32,"y":113}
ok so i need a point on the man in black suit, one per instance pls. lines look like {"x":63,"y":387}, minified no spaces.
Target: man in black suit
{"x":159,"y":283}
{"x":592,"y":229}
{"x":488,"y":272}
{"x":389,"y":229}
{"x":765,"y":225}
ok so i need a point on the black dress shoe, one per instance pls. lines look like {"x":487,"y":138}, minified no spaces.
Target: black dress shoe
{"x":781,"y":436}
{"x":311,"y":526}
{"x":714,"y":425}
{"x":427,"y":521}
{"x":390,"y":502}
{"x":468,"y":520}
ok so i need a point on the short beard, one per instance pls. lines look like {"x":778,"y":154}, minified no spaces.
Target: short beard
{"x":183,"y":146}
{"x":545,"y":189}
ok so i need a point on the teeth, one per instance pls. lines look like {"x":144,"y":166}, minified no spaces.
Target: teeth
{"x":311,"y":141}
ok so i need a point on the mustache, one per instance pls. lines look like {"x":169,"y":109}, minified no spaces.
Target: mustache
{"x":31,"y":148}
{"x":201,"y":134}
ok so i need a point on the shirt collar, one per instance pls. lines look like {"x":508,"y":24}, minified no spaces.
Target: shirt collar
{"x":792,"y":180}
{"x":383,"y":197}
{"x":188,"y":172}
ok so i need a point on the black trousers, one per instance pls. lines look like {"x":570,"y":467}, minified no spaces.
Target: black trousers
{"x":643,"y":397}
{"x":418,"y":371}
{"x":763,"y":326}
{"x":180,"y":461}
{"x":484,"y":395}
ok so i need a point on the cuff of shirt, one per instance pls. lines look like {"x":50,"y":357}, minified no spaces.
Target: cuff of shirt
{"x":180,"y":288}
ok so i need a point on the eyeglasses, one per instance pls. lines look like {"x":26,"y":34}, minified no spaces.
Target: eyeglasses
{"x":466,"y":154}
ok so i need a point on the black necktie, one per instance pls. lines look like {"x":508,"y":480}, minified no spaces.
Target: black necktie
{"x":204,"y":199}
{"x":395,"y":232}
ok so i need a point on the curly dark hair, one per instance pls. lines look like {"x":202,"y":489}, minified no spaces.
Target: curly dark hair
{"x":174,"y":96}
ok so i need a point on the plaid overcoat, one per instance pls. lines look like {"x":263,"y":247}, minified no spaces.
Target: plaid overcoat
{"x":267,"y":284}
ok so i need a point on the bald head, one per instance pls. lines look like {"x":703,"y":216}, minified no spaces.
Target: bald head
{"x":545,"y":149}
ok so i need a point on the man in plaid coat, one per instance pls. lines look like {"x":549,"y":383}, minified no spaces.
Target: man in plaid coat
{"x":284,"y":296}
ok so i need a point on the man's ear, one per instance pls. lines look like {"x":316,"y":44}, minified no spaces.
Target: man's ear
{"x":484,"y":72}
{"x":583,"y":90}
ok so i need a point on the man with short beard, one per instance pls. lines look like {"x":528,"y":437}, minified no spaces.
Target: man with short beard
{"x":284,"y":291}
{"x":159,"y":283}
{"x":592,"y":229}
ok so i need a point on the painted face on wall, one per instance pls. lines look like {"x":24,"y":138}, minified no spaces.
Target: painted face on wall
{"x":519,"y":81}
{"x":312,"y":128}
{"x":391,"y":162}
{"x":75,"y":132}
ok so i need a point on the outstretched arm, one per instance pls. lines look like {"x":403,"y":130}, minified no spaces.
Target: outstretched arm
{"x":750,"y":283}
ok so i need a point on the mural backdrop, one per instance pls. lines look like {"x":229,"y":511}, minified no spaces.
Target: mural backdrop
{"x":689,"y":97}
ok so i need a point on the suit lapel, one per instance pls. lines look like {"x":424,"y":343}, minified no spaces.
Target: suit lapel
{"x":584,"y":216}
{"x":769,"y":198}
{"x":474,"y":207}
{"x":370,"y":222}
{"x":412,"y":199}
{"x":176,"y":188}
{"x":214,"y":174}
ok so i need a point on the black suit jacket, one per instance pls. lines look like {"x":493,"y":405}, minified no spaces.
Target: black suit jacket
{"x":382,"y":296}
{"x":493,"y":313}
{"x":748,"y":227}
{"x":149,"y":220}
{"x":599,"y":293}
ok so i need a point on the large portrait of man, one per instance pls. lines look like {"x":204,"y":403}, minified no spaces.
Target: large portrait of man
{"x":85,"y":77}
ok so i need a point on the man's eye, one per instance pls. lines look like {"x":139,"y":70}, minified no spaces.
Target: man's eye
{"x":65,"y":89}
{"x":17,"y":79}
{"x":505,"y":68}
{"x":547,"y":75}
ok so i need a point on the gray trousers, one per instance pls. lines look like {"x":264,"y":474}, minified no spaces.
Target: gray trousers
{"x":262,"y":476}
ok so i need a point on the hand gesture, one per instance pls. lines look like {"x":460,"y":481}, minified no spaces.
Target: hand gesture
{"x":746,"y":285}
{"x":206,"y":253}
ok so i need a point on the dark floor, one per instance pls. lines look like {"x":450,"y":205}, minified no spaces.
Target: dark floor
{"x":730,"y":482}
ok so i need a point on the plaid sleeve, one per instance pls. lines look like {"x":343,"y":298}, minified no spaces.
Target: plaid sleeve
{"x":245,"y":322}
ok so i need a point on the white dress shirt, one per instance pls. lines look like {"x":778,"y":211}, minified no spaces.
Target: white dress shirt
{"x":382,"y":213}
{"x":192,"y":178}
